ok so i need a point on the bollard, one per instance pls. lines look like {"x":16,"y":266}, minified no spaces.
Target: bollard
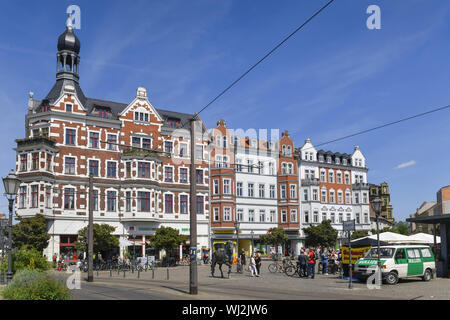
{"x":132,"y":269}
{"x":167,"y":273}
{"x":139,"y":272}
{"x":110,"y":272}
{"x":153,"y":273}
{"x":97,"y":272}
{"x":124,"y":272}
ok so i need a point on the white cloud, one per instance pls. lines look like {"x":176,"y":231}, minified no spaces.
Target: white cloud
{"x":406,"y":164}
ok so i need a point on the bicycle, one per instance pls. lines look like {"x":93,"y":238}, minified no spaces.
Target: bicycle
{"x":291,"y":270}
{"x":279,"y":266}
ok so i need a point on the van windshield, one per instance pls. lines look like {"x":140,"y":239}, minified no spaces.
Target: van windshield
{"x":385,"y":253}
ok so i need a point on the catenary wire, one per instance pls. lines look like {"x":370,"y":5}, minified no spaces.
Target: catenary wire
{"x":260,"y":60}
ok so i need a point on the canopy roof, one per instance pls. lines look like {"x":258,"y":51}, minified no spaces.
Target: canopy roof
{"x":387,"y":238}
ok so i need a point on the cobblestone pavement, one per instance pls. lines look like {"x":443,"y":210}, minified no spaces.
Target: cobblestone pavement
{"x":242,"y":286}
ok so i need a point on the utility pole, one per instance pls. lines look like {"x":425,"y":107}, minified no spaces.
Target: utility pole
{"x":193,"y":277}
{"x":91,"y":230}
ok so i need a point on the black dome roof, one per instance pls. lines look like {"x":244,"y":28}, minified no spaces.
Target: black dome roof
{"x":69,"y":41}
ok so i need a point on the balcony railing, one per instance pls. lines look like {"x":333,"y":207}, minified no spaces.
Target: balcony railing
{"x":310,"y":182}
{"x":360,"y":186}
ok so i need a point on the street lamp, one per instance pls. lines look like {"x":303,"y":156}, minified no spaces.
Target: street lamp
{"x":376,"y":206}
{"x":236,"y":226}
{"x":11,"y":184}
{"x":3,"y":224}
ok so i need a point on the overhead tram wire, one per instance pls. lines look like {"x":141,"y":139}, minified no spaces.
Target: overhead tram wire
{"x":260,"y":60}
{"x":382,"y":126}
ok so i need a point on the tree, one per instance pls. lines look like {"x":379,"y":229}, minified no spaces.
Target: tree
{"x":104,"y":241}
{"x":358,"y":234}
{"x":275,"y":236}
{"x":322,"y":235}
{"x":167,"y":238}
{"x":402,"y":227}
{"x":31,"y":233}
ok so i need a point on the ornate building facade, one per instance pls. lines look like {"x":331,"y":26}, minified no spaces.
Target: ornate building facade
{"x":138,"y":156}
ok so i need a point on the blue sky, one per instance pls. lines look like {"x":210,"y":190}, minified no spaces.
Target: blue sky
{"x":333,"y":78}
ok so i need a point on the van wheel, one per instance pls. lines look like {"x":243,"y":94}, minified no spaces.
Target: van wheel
{"x":392,"y":278}
{"x":427,"y":275}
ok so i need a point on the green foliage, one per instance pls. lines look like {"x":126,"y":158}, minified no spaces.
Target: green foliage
{"x":358,"y":234}
{"x":26,"y":259}
{"x":275,"y":236}
{"x":322,"y":235}
{"x":35,"y":285}
{"x":167,"y":238}
{"x":400,"y":227}
{"x":31,"y":233}
{"x":103,"y":239}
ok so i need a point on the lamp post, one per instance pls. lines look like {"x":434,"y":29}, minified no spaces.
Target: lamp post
{"x":11,"y":184}
{"x":3,"y":224}
{"x":376,"y":206}
{"x":236,"y":226}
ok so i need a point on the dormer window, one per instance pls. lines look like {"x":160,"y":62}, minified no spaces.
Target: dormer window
{"x":253,"y":143}
{"x":321,"y":158}
{"x":103,"y":112}
{"x":344,"y":161}
{"x":338,"y":160}
{"x":173,"y":122}
{"x":329,"y":159}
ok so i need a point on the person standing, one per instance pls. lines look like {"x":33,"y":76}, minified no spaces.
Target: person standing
{"x":303,"y":261}
{"x":253,"y":269}
{"x":311,"y":263}
{"x":242,"y":257}
{"x":258,"y":263}
{"x":324,"y":260}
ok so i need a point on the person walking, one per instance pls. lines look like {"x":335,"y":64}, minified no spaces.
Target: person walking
{"x":324,"y":260}
{"x":311,"y":263}
{"x":258,"y":263}
{"x":253,"y":269}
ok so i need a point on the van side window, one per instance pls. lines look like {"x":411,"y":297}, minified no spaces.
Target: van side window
{"x":400,"y":254}
{"x":425,"y":253}
{"x":411,"y":254}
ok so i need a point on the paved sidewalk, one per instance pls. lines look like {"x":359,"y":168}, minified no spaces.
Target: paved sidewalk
{"x":243,"y":286}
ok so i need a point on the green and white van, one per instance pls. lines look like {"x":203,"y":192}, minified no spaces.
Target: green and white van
{"x":400,"y":261}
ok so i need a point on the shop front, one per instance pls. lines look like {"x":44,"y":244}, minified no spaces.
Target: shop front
{"x":67,"y":249}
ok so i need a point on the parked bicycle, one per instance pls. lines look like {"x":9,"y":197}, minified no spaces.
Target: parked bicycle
{"x":280,"y":266}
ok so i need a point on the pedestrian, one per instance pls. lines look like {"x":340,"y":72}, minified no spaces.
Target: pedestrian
{"x":303,"y":261}
{"x":311,"y":263}
{"x":242,"y":257}
{"x":258,"y":263}
{"x":253,"y":269}
{"x":324,"y":260}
